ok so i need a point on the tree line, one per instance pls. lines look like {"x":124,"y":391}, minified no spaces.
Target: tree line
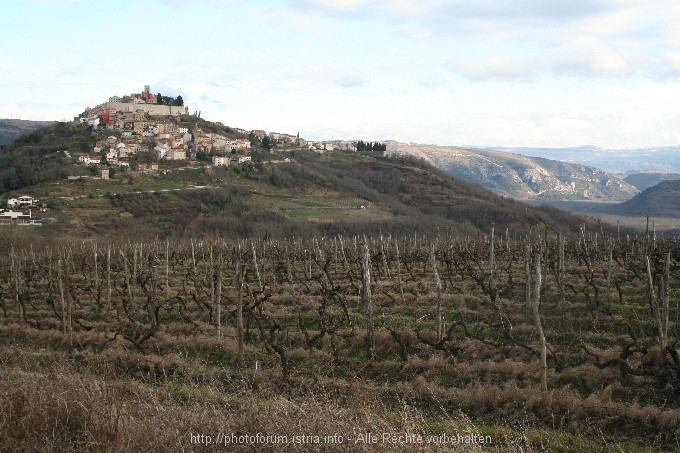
{"x":169,"y":100}
{"x":362,"y":146}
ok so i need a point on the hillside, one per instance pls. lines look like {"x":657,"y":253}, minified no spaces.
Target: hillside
{"x":11,"y":129}
{"x":280,"y":192}
{"x":340,"y":192}
{"x":39,"y":156}
{"x":521,"y":177}
{"x":660,"y":200}
{"x":646,"y":180}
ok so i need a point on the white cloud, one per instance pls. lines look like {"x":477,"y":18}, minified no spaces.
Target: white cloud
{"x":343,"y":6}
{"x":672,"y":62}
{"x":590,"y":57}
{"x":494,"y":67}
{"x":209,"y":2}
{"x":587,"y":57}
{"x":431,"y":81}
{"x":350,"y":81}
{"x":516,"y":40}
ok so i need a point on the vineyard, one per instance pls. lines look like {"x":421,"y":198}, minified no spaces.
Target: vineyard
{"x":541,"y":342}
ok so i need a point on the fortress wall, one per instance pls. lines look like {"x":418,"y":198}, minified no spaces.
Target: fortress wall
{"x":151,"y":109}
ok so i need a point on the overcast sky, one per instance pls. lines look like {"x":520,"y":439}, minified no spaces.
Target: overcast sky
{"x":450,"y":72}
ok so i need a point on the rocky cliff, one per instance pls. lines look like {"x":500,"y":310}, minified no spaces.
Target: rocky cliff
{"x":521,"y":177}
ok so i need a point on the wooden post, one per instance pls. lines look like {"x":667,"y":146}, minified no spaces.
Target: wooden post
{"x":366,"y":297}
{"x":212,"y":276}
{"x":193,"y":257}
{"x":167,"y":269}
{"x":657,"y":311}
{"x":527,"y":276}
{"x":108,"y":275}
{"x":240,"y":274}
{"x":218,"y":298}
{"x":60,"y":282}
{"x":438,"y":284}
{"x":610,"y":264}
{"x":15,"y":283}
{"x":664,"y":301}
{"x":401,"y":287}
{"x":96,"y":278}
{"x":491,"y":255}
{"x":537,"y":322}
{"x":384,"y":258}
{"x":342,"y":253}
{"x":560,"y":270}
{"x":69,"y":299}
{"x":134,"y":268}
{"x":128,"y":284}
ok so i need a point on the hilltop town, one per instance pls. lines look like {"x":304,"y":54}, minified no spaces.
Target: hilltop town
{"x":132,"y":140}
{"x":161,"y":129}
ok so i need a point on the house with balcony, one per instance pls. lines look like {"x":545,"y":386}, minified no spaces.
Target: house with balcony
{"x":24,"y":201}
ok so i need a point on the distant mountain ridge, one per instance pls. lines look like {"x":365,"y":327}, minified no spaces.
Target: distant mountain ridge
{"x":11,"y":129}
{"x":521,"y":177}
{"x":660,"y":159}
{"x":646,"y":180}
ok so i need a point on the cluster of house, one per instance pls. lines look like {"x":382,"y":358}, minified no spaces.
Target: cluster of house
{"x":297,"y":141}
{"x":131,"y":114}
{"x":221,"y":161}
{"x":22,"y":217}
{"x":145,"y":125}
{"x":206,"y":141}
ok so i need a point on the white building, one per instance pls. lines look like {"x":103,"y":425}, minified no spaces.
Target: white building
{"x":19,"y":217}
{"x":242,"y":143}
{"x":111,"y":156}
{"x":177,"y":154}
{"x":23,"y":201}
{"x":220,"y":161}
{"x":87,"y":160}
{"x":161,"y":152}
{"x":241,"y":159}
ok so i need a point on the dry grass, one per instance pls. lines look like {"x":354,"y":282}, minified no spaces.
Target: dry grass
{"x":65,"y":411}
